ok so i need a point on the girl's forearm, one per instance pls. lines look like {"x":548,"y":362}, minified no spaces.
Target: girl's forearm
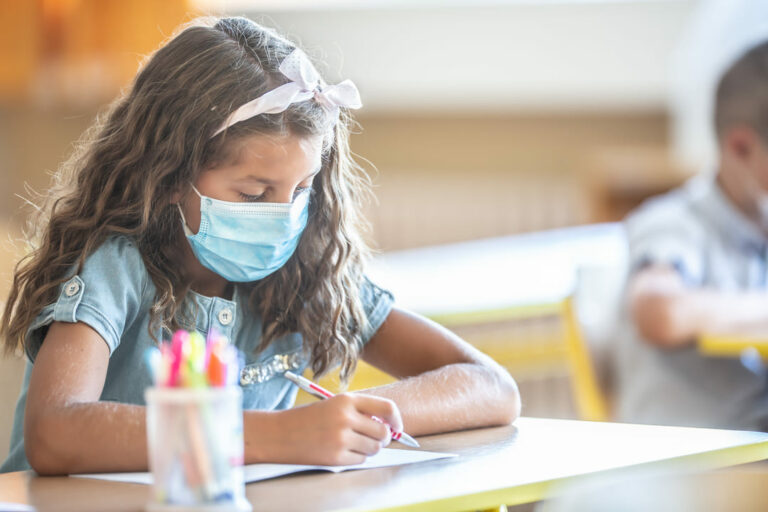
{"x":100,"y":437}
{"x":111,"y":437}
{"x":259,"y":429}
{"x":454,"y":397}
{"x":87,"y":438}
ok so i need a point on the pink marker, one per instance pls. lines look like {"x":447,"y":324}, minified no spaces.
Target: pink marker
{"x":322,"y":393}
{"x":179,"y":340}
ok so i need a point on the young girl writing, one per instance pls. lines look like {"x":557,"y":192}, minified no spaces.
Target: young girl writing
{"x":220,"y":193}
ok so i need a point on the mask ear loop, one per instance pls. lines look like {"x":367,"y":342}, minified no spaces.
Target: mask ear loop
{"x":187,"y":231}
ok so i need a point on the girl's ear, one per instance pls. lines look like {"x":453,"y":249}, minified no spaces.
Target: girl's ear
{"x":176,"y":196}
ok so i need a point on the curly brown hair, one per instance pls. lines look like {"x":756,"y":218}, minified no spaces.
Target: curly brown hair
{"x":153,"y":142}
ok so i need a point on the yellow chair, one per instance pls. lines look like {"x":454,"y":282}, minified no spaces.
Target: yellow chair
{"x":560,"y":345}
{"x":563,"y":345}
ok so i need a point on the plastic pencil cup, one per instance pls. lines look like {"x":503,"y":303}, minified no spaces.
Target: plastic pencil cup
{"x":195,"y":442}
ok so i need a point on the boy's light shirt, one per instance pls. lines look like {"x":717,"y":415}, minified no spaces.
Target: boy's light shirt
{"x":700,"y":233}
{"x":113,"y":295}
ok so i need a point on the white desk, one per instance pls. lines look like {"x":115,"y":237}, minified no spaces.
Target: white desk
{"x":506,"y":465}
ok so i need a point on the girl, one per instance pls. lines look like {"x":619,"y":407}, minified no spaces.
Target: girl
{"x":220,"y":193}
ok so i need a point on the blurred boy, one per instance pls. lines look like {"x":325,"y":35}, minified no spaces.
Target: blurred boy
{"x":699,"y":264}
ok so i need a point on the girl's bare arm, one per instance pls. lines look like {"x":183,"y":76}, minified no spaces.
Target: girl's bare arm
{"x":68,"y":430}
{"x":447,"y":384}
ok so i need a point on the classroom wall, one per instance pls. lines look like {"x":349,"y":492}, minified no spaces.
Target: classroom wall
{"x":12,"y":367}
{"x":452,"y":176}
{"x":488,"y":55}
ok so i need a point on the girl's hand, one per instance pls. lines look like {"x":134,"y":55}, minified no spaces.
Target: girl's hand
{"x":337,"y":431}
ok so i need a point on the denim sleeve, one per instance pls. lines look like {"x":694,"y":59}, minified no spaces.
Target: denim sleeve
{"x":377,"y":303}
{"x":668,"y":236}
{"x":106,"y":295}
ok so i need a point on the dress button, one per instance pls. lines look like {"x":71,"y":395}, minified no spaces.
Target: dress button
{"x":71,"y":288}
{"x":225,"y":316}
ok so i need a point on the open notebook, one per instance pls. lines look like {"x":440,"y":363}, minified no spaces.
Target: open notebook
{"x":255,"y":472}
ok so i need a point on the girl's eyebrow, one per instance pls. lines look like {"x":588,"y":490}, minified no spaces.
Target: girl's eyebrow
{"x":267,"y":181}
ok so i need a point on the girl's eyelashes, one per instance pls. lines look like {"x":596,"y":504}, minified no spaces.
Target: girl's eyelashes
{"x":249,"y":198}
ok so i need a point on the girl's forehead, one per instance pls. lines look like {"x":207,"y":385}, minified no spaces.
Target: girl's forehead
{"x":272,"y":157}
{"x":267,"y":149}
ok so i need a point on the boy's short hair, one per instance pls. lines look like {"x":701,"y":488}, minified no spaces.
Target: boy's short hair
{"x":742,"y":93}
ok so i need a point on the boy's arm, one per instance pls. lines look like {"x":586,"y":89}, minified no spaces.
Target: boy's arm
{"x":669,"y":314}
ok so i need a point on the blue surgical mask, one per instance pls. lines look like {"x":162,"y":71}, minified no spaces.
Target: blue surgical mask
{"x":245,"y":242}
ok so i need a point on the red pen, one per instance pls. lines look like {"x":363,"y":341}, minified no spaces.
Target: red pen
{"x":322,"y":393}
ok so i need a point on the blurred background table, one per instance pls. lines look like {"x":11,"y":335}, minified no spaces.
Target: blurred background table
{"x":523,"y":300}
{"x":734,"y":345}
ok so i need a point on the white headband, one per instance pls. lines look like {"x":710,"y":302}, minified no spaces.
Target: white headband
{"x":305,"y":84}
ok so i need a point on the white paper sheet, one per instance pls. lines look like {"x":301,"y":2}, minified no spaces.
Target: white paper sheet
{"x":255,"y":472}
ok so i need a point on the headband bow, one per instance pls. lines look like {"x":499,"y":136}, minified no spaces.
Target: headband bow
{"x":305,"y":84}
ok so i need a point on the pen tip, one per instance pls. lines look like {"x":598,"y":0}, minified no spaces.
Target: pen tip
{"x":408,"y":440}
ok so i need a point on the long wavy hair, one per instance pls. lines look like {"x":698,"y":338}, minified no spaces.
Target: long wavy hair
{"x":153,"y":143}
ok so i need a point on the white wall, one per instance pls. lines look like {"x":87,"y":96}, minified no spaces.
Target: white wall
{"x":490,"y":55}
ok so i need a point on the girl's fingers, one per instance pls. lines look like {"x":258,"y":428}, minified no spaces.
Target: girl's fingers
{"x":387,"y":440}
{"x":363,"y":444}
{"x":349,"y":459}
{"x":381,"y":408}
{"x":388,"y":431}
{"x":369,"y":427}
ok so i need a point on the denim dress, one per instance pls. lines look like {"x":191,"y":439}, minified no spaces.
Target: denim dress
{"x":113,"y":294}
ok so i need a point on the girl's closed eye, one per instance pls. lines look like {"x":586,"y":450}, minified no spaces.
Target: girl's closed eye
{"x":250,"y":198}
{"x":300,"y":190}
